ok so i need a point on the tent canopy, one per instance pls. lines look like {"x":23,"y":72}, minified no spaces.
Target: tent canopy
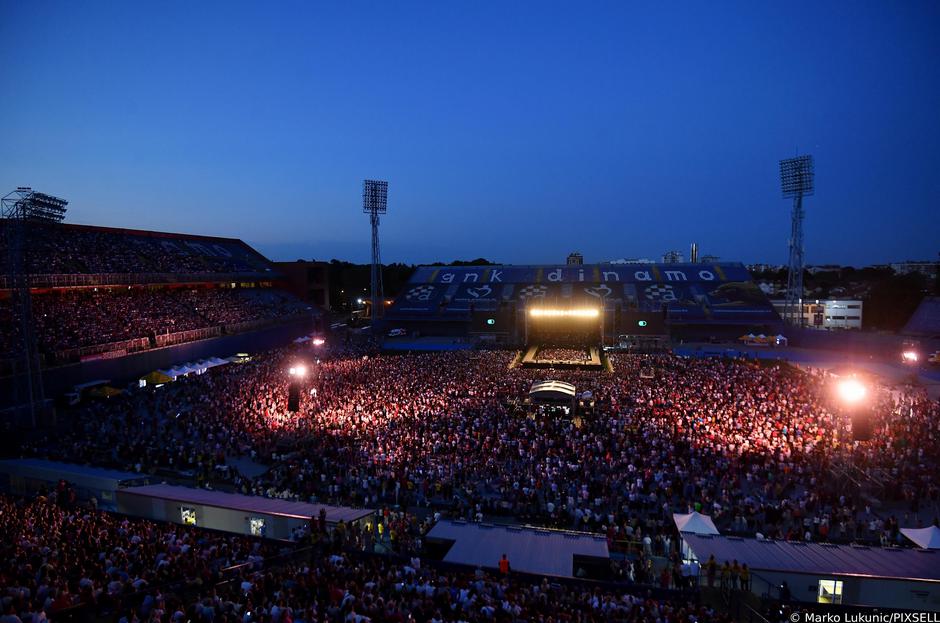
{"x":695,"y":523}
{"x":156,"y":378}
{"x":552,"y":391}
{"x":926,"y":538}
{"x":105,"y":391}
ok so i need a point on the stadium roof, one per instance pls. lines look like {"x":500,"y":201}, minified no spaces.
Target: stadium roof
{"x":248,"y":503}
{"x":820,"y":558}
{"x":546,"y":552}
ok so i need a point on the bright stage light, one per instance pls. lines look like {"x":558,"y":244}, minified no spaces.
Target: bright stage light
{"x":586,"y":312}
{"x":298,"y":371}
{"x":852,"y":390}
{"x":318,"y":341}
{"x":909,"y":356}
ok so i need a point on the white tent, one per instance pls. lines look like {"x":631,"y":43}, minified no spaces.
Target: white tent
{"x":926,"y":538}
{"x":695,"y":523}
{"x":177,"y":371}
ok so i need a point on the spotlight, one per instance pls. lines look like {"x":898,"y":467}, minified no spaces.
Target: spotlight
{"x":318,"y":341}
{"x":298,"y":370}
{"x":852,"y":390}
{"x":909,"y":356}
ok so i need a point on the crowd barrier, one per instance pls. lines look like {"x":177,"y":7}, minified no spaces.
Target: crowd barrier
{"x":102,"y":351}
{"x":168,"y":339}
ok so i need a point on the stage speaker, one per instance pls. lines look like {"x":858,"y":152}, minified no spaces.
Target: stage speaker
{"x":293,"y":397}
{"x":862,"y":427}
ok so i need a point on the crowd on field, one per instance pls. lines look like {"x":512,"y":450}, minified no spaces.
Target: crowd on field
{"x":755,"y":447}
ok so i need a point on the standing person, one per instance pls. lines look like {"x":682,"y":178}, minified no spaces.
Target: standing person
{"x":711,"y":570}
{"x":745,"y":577}
{"x":504,"y":565}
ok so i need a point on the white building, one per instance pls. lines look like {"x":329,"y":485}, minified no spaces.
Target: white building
{"x":824,"y":573}
{"x":827,"y":314}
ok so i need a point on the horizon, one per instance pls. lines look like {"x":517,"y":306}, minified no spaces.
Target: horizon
{"x":517,"y":133}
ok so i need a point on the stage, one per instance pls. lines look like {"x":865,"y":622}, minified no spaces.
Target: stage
{"x":532,"y":358}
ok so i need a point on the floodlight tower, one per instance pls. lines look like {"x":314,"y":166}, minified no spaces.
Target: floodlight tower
{"x":374,"y":203}
{"x":797,"y":181}
{"x":18,"y":209}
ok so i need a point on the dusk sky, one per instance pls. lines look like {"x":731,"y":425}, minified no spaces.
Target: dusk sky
{"x":517,"y":132}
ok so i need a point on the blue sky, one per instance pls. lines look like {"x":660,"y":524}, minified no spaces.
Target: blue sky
{"x":515,"y":131}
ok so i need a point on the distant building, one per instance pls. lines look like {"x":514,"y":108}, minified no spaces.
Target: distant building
{"x":631,"y":260}
{"x":762,"y":268}
{"x":709,"y":259}
{"x":928,"y":269}
{"x":823,"y":268}
{"x":575,"y":259}
{"x":828,"y":315}
{"x":672,"y":257}
{"x":307,"y":280}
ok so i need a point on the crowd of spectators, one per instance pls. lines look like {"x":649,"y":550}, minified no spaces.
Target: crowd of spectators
{"x":9,"y":329}
{"x":55,"y":555}
{"x":561,"y":353}
{"x":58,"y":558}
{"x":753,"y":446}
{"x":77,"y":318}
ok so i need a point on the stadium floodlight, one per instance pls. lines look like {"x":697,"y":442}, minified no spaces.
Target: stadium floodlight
{"x":374,"y":203}
{"x":581,"y":312}
{"x":374,"y":196}
{"x":797,"y":180}
{"x":851,"y":390}
{"x":27,"y":204}
{"x":797,"y":176}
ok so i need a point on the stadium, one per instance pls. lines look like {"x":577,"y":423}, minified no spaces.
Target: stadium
{"x":548,"y":414}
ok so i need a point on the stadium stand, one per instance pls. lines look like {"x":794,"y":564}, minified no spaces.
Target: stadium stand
{"x":710,"y":295}
{"x":101,"y":290}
